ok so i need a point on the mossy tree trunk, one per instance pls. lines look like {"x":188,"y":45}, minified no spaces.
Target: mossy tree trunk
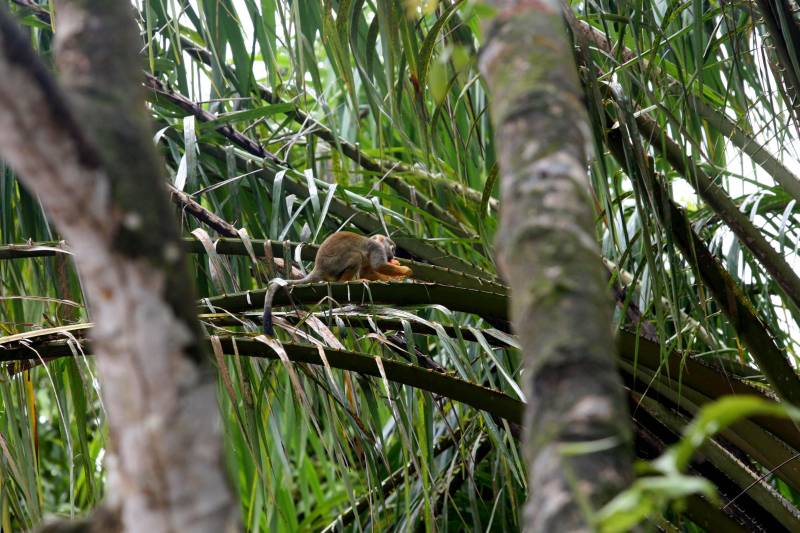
{"x":84,"y":147}
{"x":577,"y":435}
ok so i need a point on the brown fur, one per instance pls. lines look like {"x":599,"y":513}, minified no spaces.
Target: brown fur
{"x":345,"y":256}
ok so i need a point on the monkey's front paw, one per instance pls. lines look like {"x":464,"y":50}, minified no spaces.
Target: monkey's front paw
{"x":394,"y":262}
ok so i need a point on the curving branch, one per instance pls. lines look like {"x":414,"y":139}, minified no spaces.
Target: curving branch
{"x":734,"y":304}
{"x":783,"y":27}
{"x":493,"y":402}
{"x":239,"y":139}
{"x":343,"y":210}
{"x":384,"y":168}
{"x":639,"y":357}
{"x":235,"y":246}
{"x":488,"y":305}
{"x":775,"y":263}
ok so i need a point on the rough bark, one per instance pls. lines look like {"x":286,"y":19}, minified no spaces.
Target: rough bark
{"x":577,"y":435}
{"x":98,"y":179}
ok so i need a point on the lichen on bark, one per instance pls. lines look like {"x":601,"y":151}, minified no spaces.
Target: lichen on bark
{"x":577,"y":434}
{"x":99,"y":180}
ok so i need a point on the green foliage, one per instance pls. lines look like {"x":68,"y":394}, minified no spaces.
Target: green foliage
{"x":377,"y":108}
{"x":664,"y":481}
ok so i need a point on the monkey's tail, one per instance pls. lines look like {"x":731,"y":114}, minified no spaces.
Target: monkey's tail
{"x":266,"y":319}
{"x":272,"y":289}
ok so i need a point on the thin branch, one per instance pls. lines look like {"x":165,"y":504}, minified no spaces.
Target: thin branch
{"x":740,"y":312}
{"x":250,"y":146}
{"x":242,"y":141}
{"x":188,"y":204}
{"x":757,"y":152}
{"x":775,"y":263}
{"x":348,"y":149}
{"x":417,"y":247}
{"x":36,"y":9}
{"x":633,"y":349}
{"x":785,"y":32}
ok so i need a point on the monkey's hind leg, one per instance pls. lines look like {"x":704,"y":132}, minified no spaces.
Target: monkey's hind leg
{"x":348,"y":274}
{"x":393,"y":271}
{"x":372,"y":275}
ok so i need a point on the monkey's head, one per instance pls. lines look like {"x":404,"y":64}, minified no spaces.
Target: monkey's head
{"x":387,"y":243}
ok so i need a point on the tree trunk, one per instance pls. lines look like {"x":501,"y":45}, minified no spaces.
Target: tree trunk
{"x":85,"y":149}
{"x":577,"y":435}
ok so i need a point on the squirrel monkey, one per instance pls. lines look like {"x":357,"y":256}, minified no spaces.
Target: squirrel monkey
{"x":344,"y":256}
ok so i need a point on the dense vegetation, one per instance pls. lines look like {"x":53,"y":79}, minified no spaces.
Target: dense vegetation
{"x":282,"y":121}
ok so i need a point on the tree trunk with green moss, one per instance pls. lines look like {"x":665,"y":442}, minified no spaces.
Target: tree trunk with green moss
{"x":577,"y":435}
{"x":100,"y":180}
